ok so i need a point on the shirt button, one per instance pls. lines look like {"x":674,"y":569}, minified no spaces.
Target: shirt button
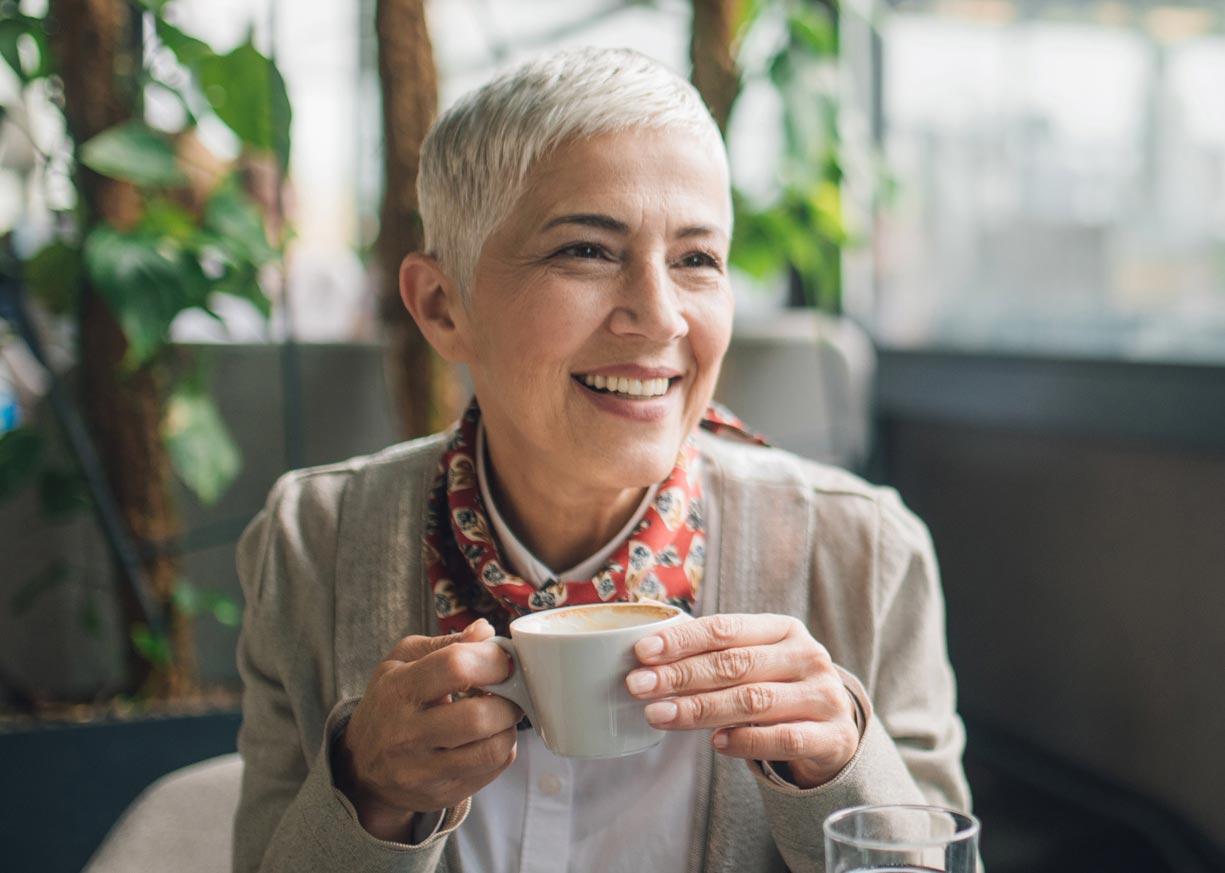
{"x":550,"y":785}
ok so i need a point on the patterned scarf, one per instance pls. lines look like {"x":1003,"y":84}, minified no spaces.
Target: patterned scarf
{"x":663,"y":559}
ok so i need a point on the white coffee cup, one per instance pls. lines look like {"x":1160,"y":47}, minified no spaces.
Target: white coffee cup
{"x":569,"y":675}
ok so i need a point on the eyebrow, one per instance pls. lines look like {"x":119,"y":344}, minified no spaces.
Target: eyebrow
{"x":607,"y":222}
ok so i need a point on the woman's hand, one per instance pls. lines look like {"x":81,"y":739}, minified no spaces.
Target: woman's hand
{"x":409,"y":748}
{"x":761,"y":682}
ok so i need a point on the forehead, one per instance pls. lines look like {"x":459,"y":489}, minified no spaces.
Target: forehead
{"x":670,"y":174}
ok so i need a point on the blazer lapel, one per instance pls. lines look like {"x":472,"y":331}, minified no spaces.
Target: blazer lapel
{"x":381,"y":592}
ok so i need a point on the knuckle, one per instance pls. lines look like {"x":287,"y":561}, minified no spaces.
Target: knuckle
{"x":792,"y":740}
{"x":381,"y":672}
{"x":755,"y":700}
{"x":817,"y":658}
{"x":831,"y":696}
{"x":732,"y":665}
{"x":458,"y":661}
{"x":698,"y":709}
{"x":725,"y":628}
{"x":680,"y":674}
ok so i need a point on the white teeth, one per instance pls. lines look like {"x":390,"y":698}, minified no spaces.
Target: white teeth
{"x":629,"y":387}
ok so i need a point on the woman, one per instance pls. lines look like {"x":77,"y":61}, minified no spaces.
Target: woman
{"x":577,"y":218}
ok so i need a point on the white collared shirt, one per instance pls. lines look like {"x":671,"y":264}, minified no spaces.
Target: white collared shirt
{"x":548,"y":814}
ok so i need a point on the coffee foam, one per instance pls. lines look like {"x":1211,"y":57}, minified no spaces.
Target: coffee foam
{"x":577,"y":620}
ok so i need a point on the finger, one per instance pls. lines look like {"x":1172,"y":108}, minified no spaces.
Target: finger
{"x":728,"y":668}
{"x":715,"y":632}
{"x":490,"y":756}
{"x":468,"y":721}
{"x":415,"y":648}
{"x":822,"y":745}
{"x":453,"y":669}
{"x":760,"y":702}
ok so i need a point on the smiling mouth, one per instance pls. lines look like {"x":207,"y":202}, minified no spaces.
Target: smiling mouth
{"x":630,"y":389}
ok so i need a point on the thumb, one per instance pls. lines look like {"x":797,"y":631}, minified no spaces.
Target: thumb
{"x":415,"y":648}
{"x":477,"y":632}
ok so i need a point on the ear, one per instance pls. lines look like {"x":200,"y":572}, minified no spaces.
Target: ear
{"x":435,"y":303}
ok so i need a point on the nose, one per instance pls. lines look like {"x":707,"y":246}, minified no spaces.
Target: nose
{"x":649,"y":306}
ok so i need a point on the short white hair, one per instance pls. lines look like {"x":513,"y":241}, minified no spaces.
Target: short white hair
{"x":477,"y":156}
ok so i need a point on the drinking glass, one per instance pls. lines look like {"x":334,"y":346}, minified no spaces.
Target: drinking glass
{"x":901,"y":839}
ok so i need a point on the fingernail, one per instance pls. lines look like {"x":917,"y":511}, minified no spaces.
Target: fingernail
{"x":641,"y":681}
{"x":720,"y":741}
{"x":649,"y":646}
{"x":661,"y":712}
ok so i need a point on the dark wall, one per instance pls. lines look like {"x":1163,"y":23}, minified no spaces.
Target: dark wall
{"x":1084,"y":569}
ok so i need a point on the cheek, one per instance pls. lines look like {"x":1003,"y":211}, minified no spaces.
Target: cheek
{"x":537,"y":336}
{"x":711,"y":333}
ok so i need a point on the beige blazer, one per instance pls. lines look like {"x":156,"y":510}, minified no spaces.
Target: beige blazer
{"x":333,"y":576}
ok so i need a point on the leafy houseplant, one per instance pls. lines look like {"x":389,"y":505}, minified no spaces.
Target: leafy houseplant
{"x":799,"y":228}
{"x":153,"y":223}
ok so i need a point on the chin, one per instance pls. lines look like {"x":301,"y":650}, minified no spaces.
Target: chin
{"x":638,"y":466}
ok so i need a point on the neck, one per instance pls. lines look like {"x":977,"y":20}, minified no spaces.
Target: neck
{"x":562,"y":522}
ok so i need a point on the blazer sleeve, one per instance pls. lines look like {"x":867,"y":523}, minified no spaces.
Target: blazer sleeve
{"x":290,"y":815}
{"x":911,"y":746}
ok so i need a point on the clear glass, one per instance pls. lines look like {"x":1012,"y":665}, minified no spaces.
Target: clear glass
{"x":901,"y":839}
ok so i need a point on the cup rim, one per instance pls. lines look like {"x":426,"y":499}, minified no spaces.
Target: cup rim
{"x":676,"y":612}
{"x":971,"y":827}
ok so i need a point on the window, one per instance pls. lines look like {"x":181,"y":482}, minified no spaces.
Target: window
{"x":1054,"y":176}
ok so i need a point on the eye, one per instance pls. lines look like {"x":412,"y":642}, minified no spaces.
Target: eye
{"x":582,"y":251}
{"x":701,"y":259}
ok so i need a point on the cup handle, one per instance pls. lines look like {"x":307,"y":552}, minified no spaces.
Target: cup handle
{"x":514,"y":688}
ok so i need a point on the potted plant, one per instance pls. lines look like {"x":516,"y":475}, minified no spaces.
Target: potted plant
{"x":143,"y":220}
{"x":801,"y":372}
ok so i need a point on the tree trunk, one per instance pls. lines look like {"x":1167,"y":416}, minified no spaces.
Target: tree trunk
{"x":98,"y":56}
{"x":712,"y":51}
{"x":423,"y":386}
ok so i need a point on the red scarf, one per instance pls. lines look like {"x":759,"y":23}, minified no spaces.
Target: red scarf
{"x":663,"y":559}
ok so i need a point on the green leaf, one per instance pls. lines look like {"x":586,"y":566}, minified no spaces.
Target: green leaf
{"x":225,"y":610}
{"x":247,"y":92}
{"x":746,"y":13}
{"x":186,"y":598}
{"x":235,"y":218}
{"x":154,"y":648}
{"x":12,"y":29}
{"x":201,"y":450}
{"x":19,"y":452}
{"x":813,"y":31}
{"x":164,"y":218}
{"x":134,"y":153}
{"x":50,"y":577}
{"x":62,"y":493}
{"x":54,"y":277}
{"x":146,"y":281}
{"x":189,"y":50}
{"x":193,"y":601}
{"x":242,"y":281}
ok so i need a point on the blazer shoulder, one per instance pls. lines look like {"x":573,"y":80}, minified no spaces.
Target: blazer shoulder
{"x":837,"y":496}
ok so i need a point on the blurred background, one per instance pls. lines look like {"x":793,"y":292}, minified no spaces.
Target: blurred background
{"x":979,"y":257}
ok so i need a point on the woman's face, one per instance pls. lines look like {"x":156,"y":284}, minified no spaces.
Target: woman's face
{"x":611,"y":266}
